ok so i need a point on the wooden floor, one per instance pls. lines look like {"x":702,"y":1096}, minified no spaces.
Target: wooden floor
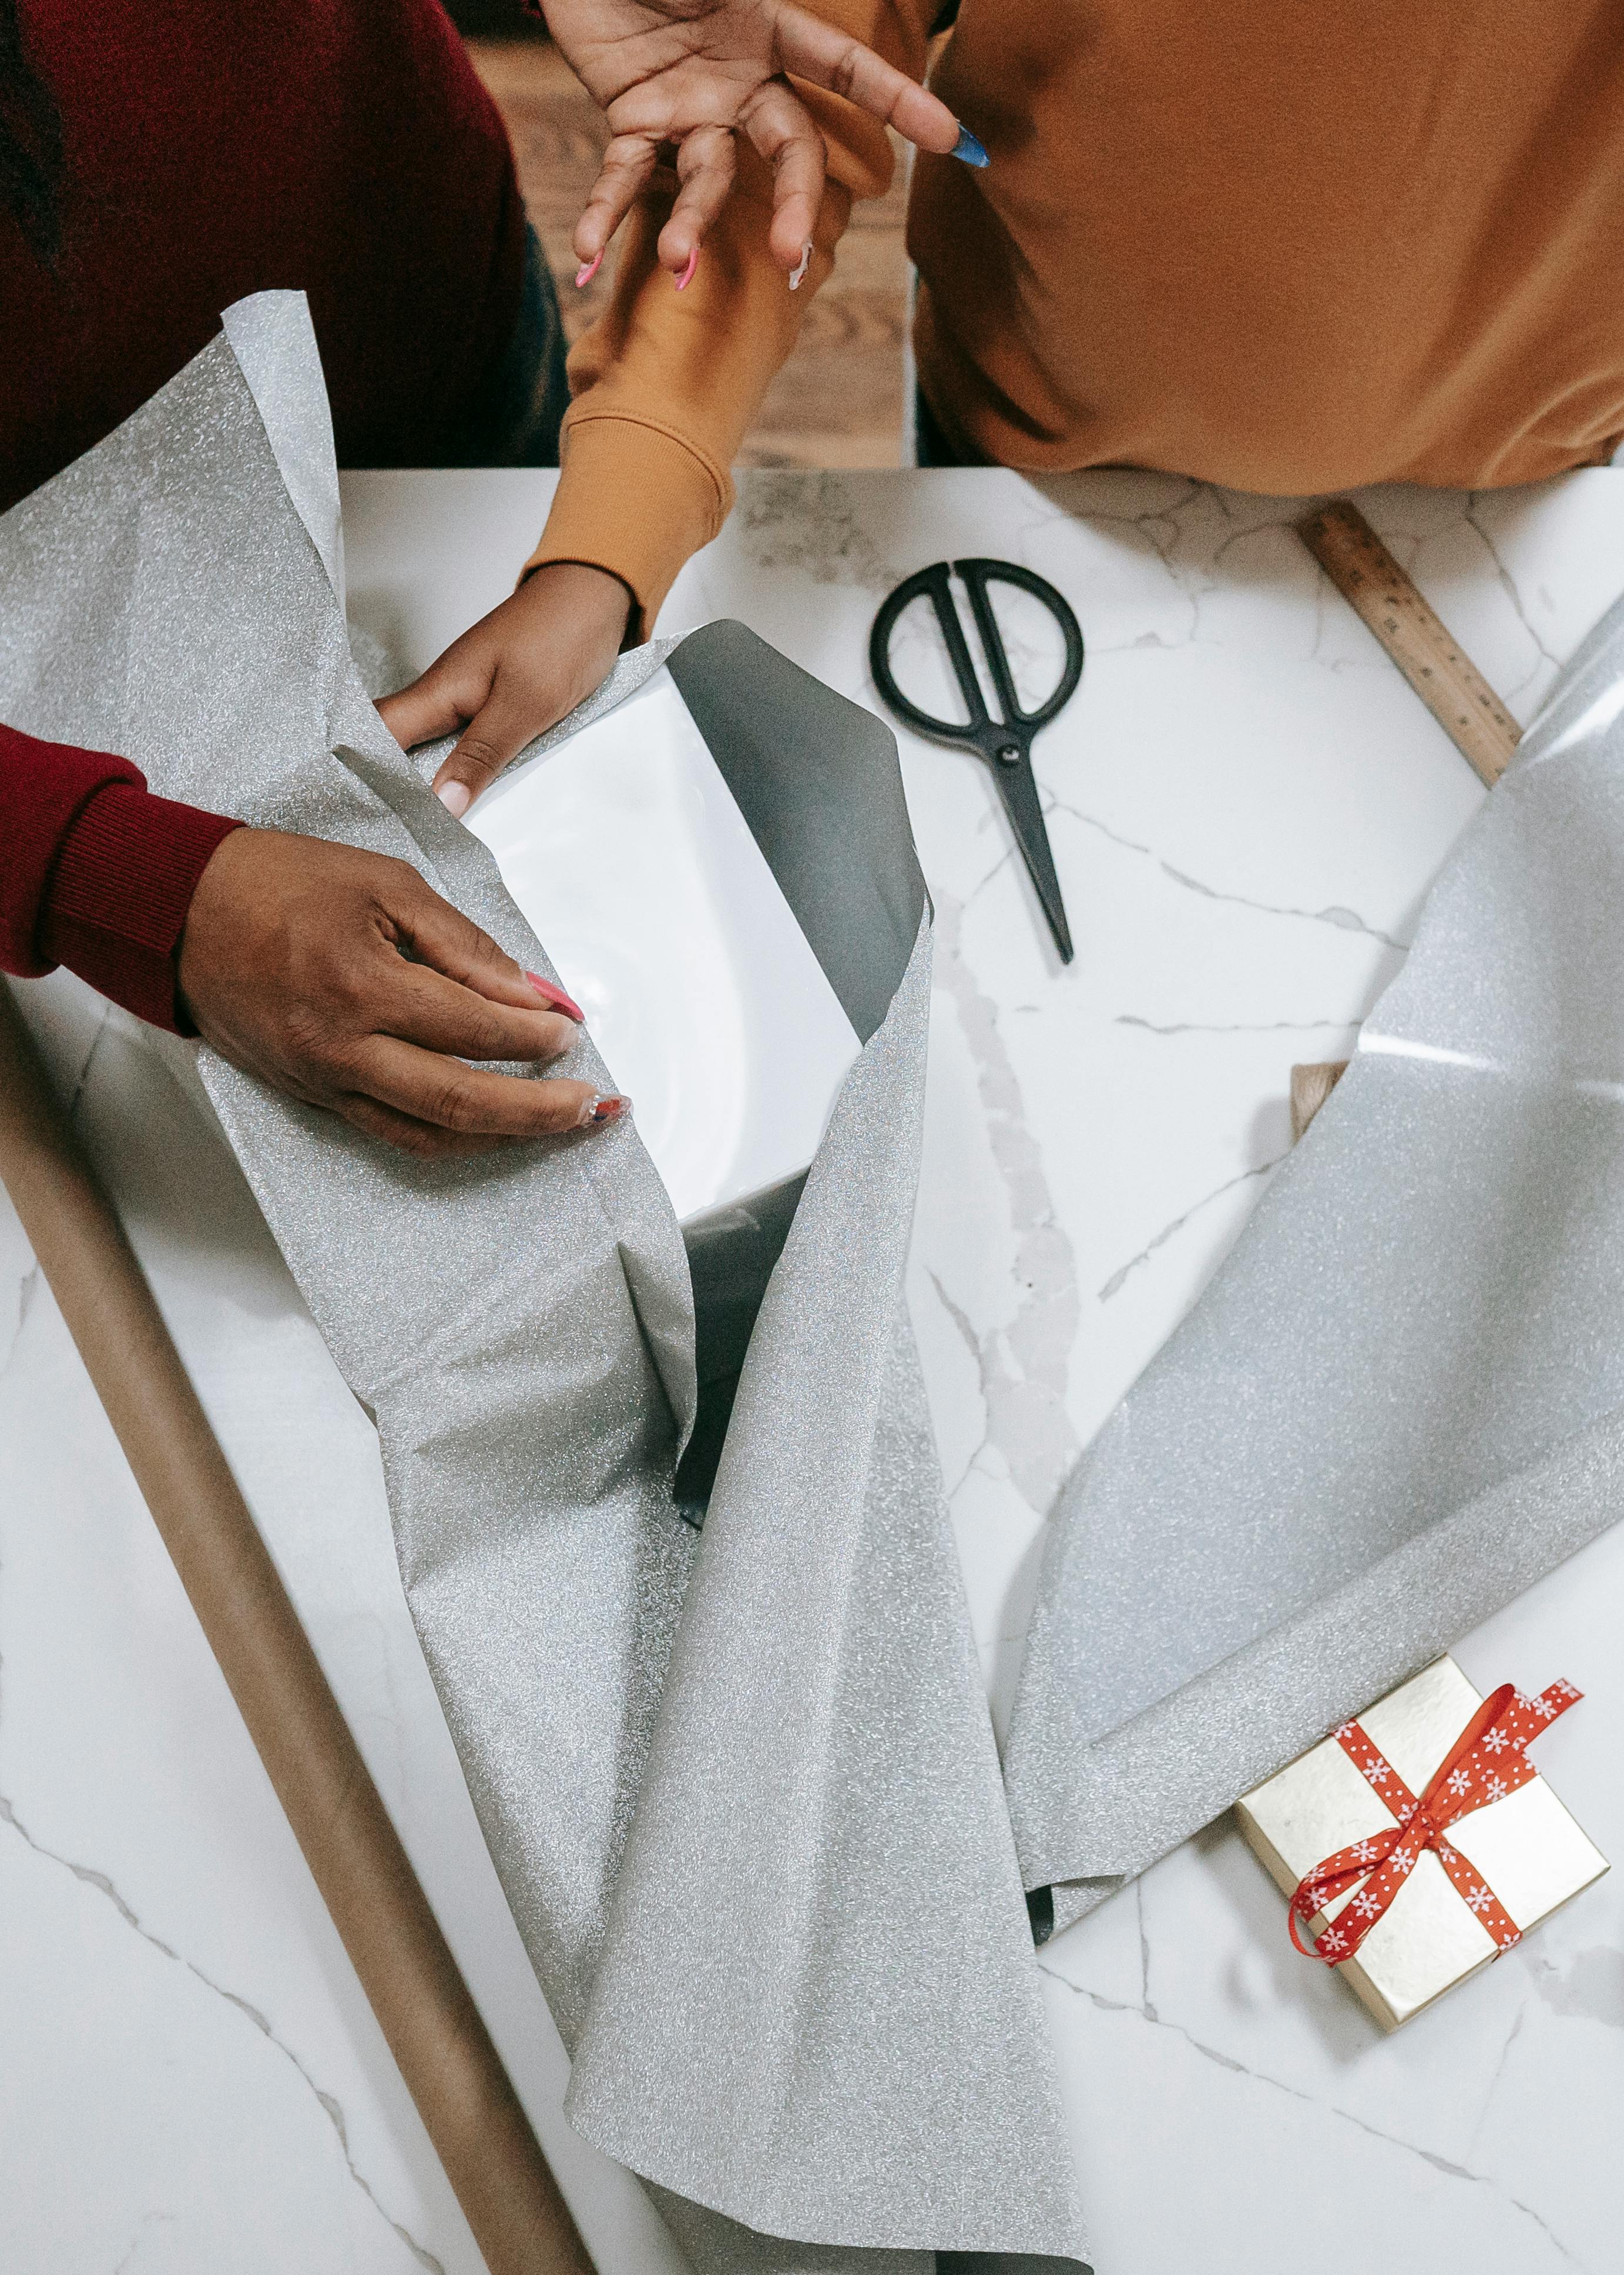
{"x":838,"y":401}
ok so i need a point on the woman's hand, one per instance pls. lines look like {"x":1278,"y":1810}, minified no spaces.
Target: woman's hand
{"x":695,"y":73}
{"x":513,"y":676}
{"x":342,"y":978}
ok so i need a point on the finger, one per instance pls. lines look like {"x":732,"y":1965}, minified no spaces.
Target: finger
{"x":819,"y":51}
{"x":706,"y":160}
{"x":784,"y":131}
{"x":408,"y":1136}
{"x":425,"y":1140}
{"x":436,"y":934}
{"x":438,"y":1014}
{"x":627,"y":164}
{"x":443,"y":1091}
{"x":448,"y":694}
{"x":492,"y":739}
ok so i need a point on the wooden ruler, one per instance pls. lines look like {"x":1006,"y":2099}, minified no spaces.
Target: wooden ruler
{"x":1447,"y":682}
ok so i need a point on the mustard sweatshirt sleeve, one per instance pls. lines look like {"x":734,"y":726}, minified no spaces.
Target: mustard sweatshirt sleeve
{"x":666,"y":383}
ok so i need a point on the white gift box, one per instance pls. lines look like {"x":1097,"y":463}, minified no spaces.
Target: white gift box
{"x":632,"y":863}
{"x":721,"y":870}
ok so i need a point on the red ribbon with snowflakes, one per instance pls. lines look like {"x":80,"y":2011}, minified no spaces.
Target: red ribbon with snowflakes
{"x":1486,"y":1763}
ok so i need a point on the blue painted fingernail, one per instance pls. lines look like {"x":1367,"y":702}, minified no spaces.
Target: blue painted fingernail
{"x":969,"y":149}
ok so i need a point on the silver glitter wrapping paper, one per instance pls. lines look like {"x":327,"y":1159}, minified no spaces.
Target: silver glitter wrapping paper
{"x":1401,"y":1400}
{"x":740,"y":1788}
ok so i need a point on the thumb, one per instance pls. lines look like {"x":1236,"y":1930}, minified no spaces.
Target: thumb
{"x":449,"y":692}
{"x":492,"y":739}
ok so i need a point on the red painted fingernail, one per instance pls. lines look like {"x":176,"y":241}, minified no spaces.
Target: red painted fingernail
{"x":557,"y":996}
{"x":686,"y":278}
{"x":605,"y":1106}
{"x":802,"y":266}
{"x":588,"y":270}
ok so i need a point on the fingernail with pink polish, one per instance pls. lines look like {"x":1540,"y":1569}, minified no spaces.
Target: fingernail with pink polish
{"x":604,"y":1106}
{"x":556,"y":996}
{"x":588,"y":270}
{"x":456,"y":797}
{"x":801,"y":267}
{"x":686,"y":278}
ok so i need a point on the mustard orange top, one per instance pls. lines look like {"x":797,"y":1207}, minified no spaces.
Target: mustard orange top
{"x":1290,"y":248}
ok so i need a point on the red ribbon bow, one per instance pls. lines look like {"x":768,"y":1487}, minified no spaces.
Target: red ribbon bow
{"x":1485,"y":1764}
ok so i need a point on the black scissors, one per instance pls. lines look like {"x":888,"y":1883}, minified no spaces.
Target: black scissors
{"x":1006,"y":744}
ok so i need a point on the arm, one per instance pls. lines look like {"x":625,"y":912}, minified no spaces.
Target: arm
{"x":337,"y":976}
{"x":97,"y":874}
{"x":666,"y":385}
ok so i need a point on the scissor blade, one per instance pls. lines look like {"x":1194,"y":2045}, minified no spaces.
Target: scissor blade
{"x":1019,"y":791}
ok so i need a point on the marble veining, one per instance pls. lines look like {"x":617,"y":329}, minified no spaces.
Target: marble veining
{"x":1246,"y":805}
{"x":1023,"y":1361}
{"x":328,"y":2103}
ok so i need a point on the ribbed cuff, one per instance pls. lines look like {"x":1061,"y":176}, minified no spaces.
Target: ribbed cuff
{"x":635,"y":500}
{"x":115,"y":904}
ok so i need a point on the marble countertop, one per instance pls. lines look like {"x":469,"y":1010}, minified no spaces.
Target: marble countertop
{"x":1246,"y":805}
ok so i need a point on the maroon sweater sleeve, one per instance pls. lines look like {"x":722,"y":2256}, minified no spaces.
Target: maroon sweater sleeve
{"x":96,"y":872}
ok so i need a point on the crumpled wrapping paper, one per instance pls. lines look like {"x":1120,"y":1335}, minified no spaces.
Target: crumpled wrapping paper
{"x":1401,"y":1400}
{"x":740,"y":1786}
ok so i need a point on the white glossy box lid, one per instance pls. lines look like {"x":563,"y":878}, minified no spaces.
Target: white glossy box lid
{"x":632,"y":863}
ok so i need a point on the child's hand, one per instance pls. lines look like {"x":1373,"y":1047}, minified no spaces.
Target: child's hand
{"x":695,"y":73}
{"x":513,"y":675}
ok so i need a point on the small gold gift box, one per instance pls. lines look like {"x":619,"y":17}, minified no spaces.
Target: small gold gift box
{"x":1513,"y":1860}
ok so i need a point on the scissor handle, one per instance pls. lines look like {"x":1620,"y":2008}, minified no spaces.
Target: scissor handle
{"x":980,"y":728}
{"x":931,"y":581}
{"x":978,"y":575}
